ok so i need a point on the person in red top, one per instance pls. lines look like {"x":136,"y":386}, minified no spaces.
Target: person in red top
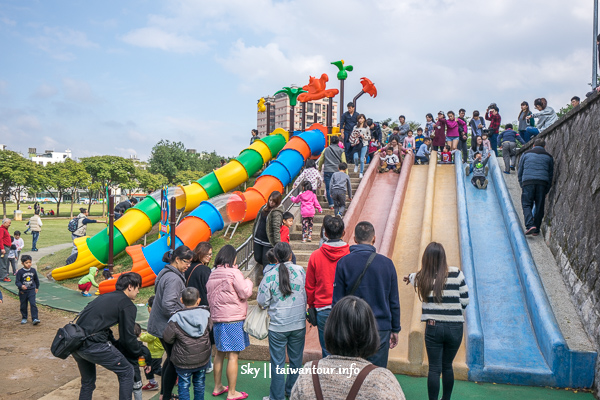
{"x":5,"y":243}
{"x":492,"y":115}
{"x":320,"y":273}
{"x":287,"y":220}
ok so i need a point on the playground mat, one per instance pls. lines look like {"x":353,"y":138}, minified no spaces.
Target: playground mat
{"x":53,"y":295}
{"x":414,"y":388}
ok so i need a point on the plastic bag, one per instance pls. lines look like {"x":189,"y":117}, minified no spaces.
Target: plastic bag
{"x":257,"y":323}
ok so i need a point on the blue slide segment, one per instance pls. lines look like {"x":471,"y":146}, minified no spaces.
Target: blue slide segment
{"x":512,"y":334}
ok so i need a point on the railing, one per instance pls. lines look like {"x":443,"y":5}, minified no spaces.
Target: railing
{"x":245,"y":252}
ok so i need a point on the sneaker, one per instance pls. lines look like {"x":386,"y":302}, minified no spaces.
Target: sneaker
{"x":150,"y":386}
{"x":512,"y":168}
{"x":7,"y":279}
{"x":467,"y":170}
{"x":331,"y":207}
{"x":339,"y":214}
{"x":36,"y":321}
{"x":209,"y":370}
{"x":86,"y":294}
{"x":485,"y":183}
{"x":478,"y":184}
{"x":360,"y":175}
{"x":23,"y":321}
{"x":536,"y":232}
{"x":356,"y":168}
{"x":531,"y":230}
{"x":303,"y":240}
{"x":486,"y":169}
{"x":309,"y":239}
{"x":506,"y":172}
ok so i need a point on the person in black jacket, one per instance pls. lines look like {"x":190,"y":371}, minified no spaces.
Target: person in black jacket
{"x":124,"y":206}
{"x":96,"y":319}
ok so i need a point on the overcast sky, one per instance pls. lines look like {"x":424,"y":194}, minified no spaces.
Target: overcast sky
{"x":115,"y":77}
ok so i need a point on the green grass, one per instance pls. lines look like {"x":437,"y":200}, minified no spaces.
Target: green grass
{"x":65,"y":209}
{"x":54,"y":231}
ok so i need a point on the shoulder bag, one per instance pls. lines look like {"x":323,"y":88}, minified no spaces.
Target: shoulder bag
{"x":369,"y":261}
{"x":257,"y":322}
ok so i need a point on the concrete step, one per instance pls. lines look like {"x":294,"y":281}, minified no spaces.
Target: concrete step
{"x":296,"y":237}
{"x":302,"y":256}
{"x":305,"y":247}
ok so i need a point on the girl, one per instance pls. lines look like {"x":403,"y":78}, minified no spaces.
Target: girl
{"x":311,"y":174}
{"x":452,"y":134}
{"x":373,"y":147}
{"x":438,"y":286}
{"x":439,"y":134}
{"x":267,"y":224}
{"x":409,"y":142}
{"x":308,"y":202}
{"x":86,"y":282}
{"x":360,"y":143}
{"x":429,"y":126}
{"x":546,"y":116}
{"x":487,"y":145}
{"x":523,"y":123}
{"x":446,"y":155}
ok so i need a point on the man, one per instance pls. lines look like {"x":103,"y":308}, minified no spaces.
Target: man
{"x":575,"y":101}
{"x":330,"y":159}
{"x":378,"y":287}
{"x":508,"y":140}
{"x":5,"y":243}
{"x":96,"y":319}
{"x":491,"y":114}
{"x":536,"y":170}
{"x":462,"y":139}
{"x":82,"y":221}
{"x":124,"y":206}
{"x":347,"y":123}
{"x":375,"y":130}
{"x":404,"y":128}
{"x":320,"y":273}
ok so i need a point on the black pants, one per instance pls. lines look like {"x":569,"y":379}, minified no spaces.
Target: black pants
{"x":156,"y":368}
{"x":481,"y":180}
{"x":169,"y":376}
{"x":442,"y":342}
{"x":106,"y":355}
{"x":260,"y":254}
{"x":28,"y":296}
{"x":533,"y":195}
{"x":381,"y":357}
{"x":462,"y":146}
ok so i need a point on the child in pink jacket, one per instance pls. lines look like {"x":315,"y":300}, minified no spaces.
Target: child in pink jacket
{"x":308,"y":203}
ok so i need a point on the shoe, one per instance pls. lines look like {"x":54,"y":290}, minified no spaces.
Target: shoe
{"x":209,"y":370}
{"x":486,"y":169}
{"x":339,"y":214}
{"x":536,"y":232}
{"x":506,"y":172}
{"x":225,"y":389}
{"x":478,"y":184}
{"x":7,"y":279}
{"x":36,"y":321}
{"x":23,"y":321}
{"x":331,"y":207}
{"x":303,"y":240}
{"x":86,"y":294}
{"x":356,"y":168}
{"x":309,"y":239}
{"x":467,"y":170}
{"x":150,"y":386}
{"x":531,"y":230}
{"x":360,"y":175}
{"x":243,"y":396}
{"x":34,"y":249}
{"x":512,"y":168}
{"x":485,"y":183}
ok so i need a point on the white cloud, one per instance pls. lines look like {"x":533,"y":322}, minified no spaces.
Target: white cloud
{"x":45,"y":91}
{"x":78,"y":91}
{"x":8,"y":21}
{"x":159,"y":39}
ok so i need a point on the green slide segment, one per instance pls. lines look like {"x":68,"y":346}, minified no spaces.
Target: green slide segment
{"x":151,"y":208}
{"x":275,"y":143}
{"x":210,"y":184}
{"x":98,"y":245}
{"x":251,"y":160}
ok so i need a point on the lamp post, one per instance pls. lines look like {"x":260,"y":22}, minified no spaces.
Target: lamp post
{"x":596,"y":48}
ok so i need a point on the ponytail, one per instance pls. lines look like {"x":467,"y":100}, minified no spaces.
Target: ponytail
{"x":182,"y":252}
{"x":283,"y":251}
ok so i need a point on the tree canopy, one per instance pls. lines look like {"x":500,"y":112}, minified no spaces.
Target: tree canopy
{"x":16,"y":172}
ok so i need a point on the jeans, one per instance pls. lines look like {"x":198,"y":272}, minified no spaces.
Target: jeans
{"x":34,"y":238}
{"x":4,"y":263}
{"x":106,"y":355}
{"x":442,"y":341}
{"x":278,"y":342}
{"x":14,"y":262}
{"x":525,"y":135}
{"x":327,"y":178}
{"x":363,"y":153}
{"x":462,"y":146}
{"x":186,"y":378}
{"x":339,"y":201}
{"x":28,"y":296}
{"x":380,"y":358}
{"x":509,"y":154}
{"x":321,"y":320}
{"x":73,"y":237}
{"x":533,"y":196}
{"x":494,"y":142}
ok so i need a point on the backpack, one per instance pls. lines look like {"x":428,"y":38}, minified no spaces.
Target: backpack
{"x":67,"y":340}
{"x":73,"y":224}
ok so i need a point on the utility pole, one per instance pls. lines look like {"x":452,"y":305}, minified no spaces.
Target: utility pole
{"x":595,"y":56}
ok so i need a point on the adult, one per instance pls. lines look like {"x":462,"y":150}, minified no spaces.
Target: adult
{"x":351,"y":337}
{"x":254,"y":135}
{"x":310,"y":174}
{"x":386,"y":131}
{"x":378,"y":287}
{"x":198,"y":273}
{"x":96,"y":319}
{"x":403,"y":127}
{"x":320,"y":273}
{"x":492,"y":115}
{"x":347,"y":123}
{"x":546,"y":115}
{"x":82,"y":221}
{"x":477,"y":125}
{"x":575,"y":101}
{"x":439,"y":132}
{"x":524,"y":123}
{"x":124,"y":206}
{"x":445,"y":295}
{"x":168,"y":286}
{"x":330,"y":159}
{"x":453,"y":131}
{"x":282,"y":292}
{"x":536,"y":171}
{"x":477,"y":147}
{"x":463,"y":133}
{"x":228,"y":294}
{"x":5,"y":243}
{"x":396,"y":149}
{"x":376,"y":132}
{"x":35,"y":225}
{"x":359,"y":139}
{"x":508,"y":140}
{"x":266,"y":228}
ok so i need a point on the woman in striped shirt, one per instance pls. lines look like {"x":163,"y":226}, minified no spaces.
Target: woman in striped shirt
{"x":445,"y":295}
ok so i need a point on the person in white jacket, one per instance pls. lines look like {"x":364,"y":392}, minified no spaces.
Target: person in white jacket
{"x":546,"y":115}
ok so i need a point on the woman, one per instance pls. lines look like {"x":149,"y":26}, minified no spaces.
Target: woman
{"x":546,"y":115}
{"x":439,"y":133}
{"x":282,"y":292}
{"x":311,"y":174}
{"x":452,"y":134}
{"x":168,"y":286}
{"x":351,"y":337}
{"x":397,"y":149}
{"x":266,"y":228}
{"x":524,"y":123}
{"x":477,"y":147}
{"x":330,"y":159}
{"x":359,"y":139}
{"x":228,"y":294}
{"x":438,"y":287}
{"x":477,"y":125}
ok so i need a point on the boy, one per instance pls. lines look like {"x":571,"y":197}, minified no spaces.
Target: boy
{"x":15,"y":251}
{"x":385,"y":132}
{"x":87,"y":281}
{"x":28,"y":283}
{"x":446,"y":155}
{"x":188,"y":330}
{"x":424,"y":152}
{"x":480,"y":170}
{"x":339,"y":187}
{"x":389,"y":161}
{"x":135,"y":362}
{"x":286,"y":223}
{"x":419,"y":139}
{"x":156,"y":351}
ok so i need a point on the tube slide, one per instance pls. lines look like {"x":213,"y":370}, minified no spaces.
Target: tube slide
{"x":512,"y":334}
{"x":212,"y":216}
{"x":138,"y":220}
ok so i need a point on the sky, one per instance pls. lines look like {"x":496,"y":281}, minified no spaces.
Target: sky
{"x":115,"y":77}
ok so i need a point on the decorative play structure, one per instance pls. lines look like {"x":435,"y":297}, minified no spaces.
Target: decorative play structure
{"x":511,"y":334}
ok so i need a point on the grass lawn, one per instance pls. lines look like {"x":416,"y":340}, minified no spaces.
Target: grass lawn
{"x":65,"y":210}
{"x":54,"y":231}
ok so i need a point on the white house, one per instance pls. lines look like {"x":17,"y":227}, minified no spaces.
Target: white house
{"x":49,"y":156}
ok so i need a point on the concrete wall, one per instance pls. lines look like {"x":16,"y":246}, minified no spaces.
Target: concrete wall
{"x":572,"y":222}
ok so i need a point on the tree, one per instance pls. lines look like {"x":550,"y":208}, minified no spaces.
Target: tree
{"x":564,"y":110}
{"x":414,"y":126}
{"x":64,"y":177}
{"x":389,"y":122}
{"x":15,"y":172}
{"x":148,"y":181}
{"x":106,"y":171}
{"x":168,"y":158}
{"x":207,"y":162}
{"x":187,"y":177}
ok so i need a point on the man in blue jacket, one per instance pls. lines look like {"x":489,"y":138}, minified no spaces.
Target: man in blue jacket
{"x":378,"y":287}
{"x":347,"y":124}
{"x":536,"y":170}
{"x":508,"y":139}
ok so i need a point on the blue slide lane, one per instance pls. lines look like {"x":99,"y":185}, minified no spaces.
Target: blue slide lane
{"x":512,"y":334}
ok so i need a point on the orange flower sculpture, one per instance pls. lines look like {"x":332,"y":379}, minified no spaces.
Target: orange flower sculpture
{"x":368,"y":87}
{"x":316,"y":89}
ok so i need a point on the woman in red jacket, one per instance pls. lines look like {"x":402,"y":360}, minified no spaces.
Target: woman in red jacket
{"x":439,"y":133}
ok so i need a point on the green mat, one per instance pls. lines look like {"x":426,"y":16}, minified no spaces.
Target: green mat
{"x":414,"y":388}
{"x":53,"y":295}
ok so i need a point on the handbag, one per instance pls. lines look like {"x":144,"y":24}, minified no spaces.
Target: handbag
{"x":257,"y":323}
{"x":311,"y":316}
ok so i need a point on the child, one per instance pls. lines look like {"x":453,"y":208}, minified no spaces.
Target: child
{"x":15,"y":251}
{"x":311,"y":174}
{"x":480,"y":170}
{"x":429,"y":125}
{"x":395,"y":134}
{"x":323,"y":235}
{"x":386,"y":131}
{"x":286,"y":223}
{"x":424,"y":152}
{"x":419,"y":139}
{"x":156,"y":351}
{"x":28,"y":283}
{"x":409,"y":143}
{"x":373,"y":147}
{"x":189,"y":330}
{"x":308,"y":203}
{"x":107,"y":275}
{"x":486,"y":143}
{"x":446,"y":155}
{"x":389,"y":161}
{"x":85,"y":283}
{"x":339,"y":187}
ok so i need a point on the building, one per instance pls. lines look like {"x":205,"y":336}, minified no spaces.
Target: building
{"x":316,"y":111}
{"x":49,"y":156}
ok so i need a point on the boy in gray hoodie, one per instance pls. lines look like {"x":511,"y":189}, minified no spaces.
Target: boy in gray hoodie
{"x":189,"y":330}
{"x":480,"y":170}
{"x":339,"y":187}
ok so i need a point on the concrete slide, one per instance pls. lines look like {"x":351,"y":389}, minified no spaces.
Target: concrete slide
{"x":512,"y":334}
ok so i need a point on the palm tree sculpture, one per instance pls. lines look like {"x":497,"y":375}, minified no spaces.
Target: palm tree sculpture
{"x":342,"y":75}
{"x":292,"y":94}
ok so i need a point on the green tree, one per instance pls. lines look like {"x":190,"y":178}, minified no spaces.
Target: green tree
{"x":16,"y":172}
{"x":168,"y":158}
{"x":564,"y":110}
{"x":389,"y":122}
{"x":207,"y":162}
{"x":106,"y":171}
{"x":414,"y":126}
{"x":187,"y":177}
{"x":148,"y":181}
{"x":64,"y":177}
